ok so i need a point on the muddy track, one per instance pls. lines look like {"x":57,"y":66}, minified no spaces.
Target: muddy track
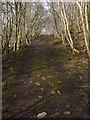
{"x":46,"y":84}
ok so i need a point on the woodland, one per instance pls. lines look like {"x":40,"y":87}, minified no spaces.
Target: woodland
{"x":45,"y":48}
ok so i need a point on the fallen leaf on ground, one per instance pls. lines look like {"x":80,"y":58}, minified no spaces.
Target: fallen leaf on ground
{"x":38,"y":84}
{"x":15,"y":95}
{"x":80,"y":77}
{"x":42,"y":89}
{"x":59,"y":81}
{"x":67,"y":113}
{"x":49,"y":76}
{"x":24,"y":82}
{"x":38,"y":75}
{"x":30,"y":81}
{"x":55,"y":114}
{"x":43,"y":78}
{"x":23,"y":108}
{"x":53,"y":91}
{"x":40,"y":97}
{"x":49,"y":82}
{"x":32,"y":92}
{"x":67,"y":106}
{"x":58,"y":92}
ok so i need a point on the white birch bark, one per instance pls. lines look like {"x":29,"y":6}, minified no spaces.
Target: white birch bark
{"x":85,"y":27}
{"x":66,"y":26}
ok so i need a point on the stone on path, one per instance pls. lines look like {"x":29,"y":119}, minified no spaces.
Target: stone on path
{"x":41,"y":115}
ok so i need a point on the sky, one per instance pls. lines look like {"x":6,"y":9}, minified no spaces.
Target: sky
{"x":42,"y":0}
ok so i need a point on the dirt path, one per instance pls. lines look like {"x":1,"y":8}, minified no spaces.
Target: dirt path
{"x":49,"y":79}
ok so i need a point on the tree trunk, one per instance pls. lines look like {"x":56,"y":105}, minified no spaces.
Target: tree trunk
{"x":66,"y":27}
{"x":84,"y":28}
